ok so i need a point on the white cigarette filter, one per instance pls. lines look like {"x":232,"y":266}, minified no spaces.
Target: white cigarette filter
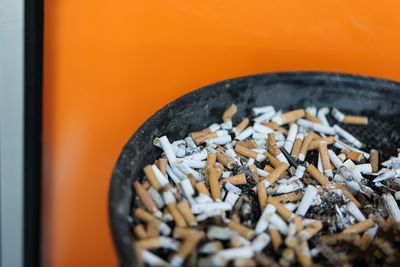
{"x":334,"y":159}
{"x":265,"y":117}
{"x":168,"y":150}
{"x":236,"y":253}
{"x":392,"y":207}
{"x":300,"y":171}
{"x":211,"y":247}
{"x":316,"y":127}
{"x":263,"y":110}
{"x":322,"y":112}
{"x":263,"y":221}
{"x":260,"y":242}
{"x":220,"y":233}
{"x":246,"y":133}
{"x":293,"y":129}
{"x":257,"y":127}
{"x":309,"y":195}
{"x":365,"y":168}
{"x":355,"y":211}
{"x":347,"y":136}
{"x":339,"y":116}
{"x":160,"y":177}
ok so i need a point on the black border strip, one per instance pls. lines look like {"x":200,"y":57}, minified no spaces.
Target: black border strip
{"x":33,"y":68}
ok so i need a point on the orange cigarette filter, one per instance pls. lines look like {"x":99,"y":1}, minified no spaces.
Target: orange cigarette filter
{"x":145,"y":197}
{"x":203,"y":138}
{"x":183,"y":233}
{"x":359,"y":227}
{"x":152,"y":178}
{"x":162,"y":165}
{"x":140,"y":232}
{"x":201,"y":133}
{"x":317,"y":175}
{"x":246,"y":152}
{"x":305,"y":145}
{"x":225,"y":160}
{"x":274,"y":162}
{"x":326,"y":163}
{"x":353,"y":155}
{"x":268,"y":168}
{"x":178,"y":217}
{"x":275,"y":238}
{"x":272,"y":146}
{"x":228,"y":114}
{"x":186,"y":212}
{"x":153,"y":229}
{"x":149,"y":243}
{"x":211,"y":159}
{"x":247,"y":144}
{"x":315,"y":143}
{"x":214,"y":183}
{"x":298,"y":221}
{"x":254,"y":174}
{"x":289,"y":197}
{"x":242,"y":125}
{"x":389,"y":222}
{"x":277,"y":172}
{"x":244,"y":231}
{"x":359,"y":120}
{"x":280,"y":209}
{"x":275,"y":127}
{"x":220,"y":168}
{"x":201,"y":188}
{"x":297,"y":144}
{"x":348,"y":194}
{"x":144,"y":216}
{"x":311,"y":117}
{"x":303,"y":254}
{"x":262,"y":195}
{"x":189,"y":244}
{"x":374,"y":160}
{"x":236,"y":179}
{"x":292,"y":116}
{"x":336,"y":238}
{"x":311,"y":230}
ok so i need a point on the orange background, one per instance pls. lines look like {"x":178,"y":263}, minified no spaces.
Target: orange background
{"x":111,"y":64}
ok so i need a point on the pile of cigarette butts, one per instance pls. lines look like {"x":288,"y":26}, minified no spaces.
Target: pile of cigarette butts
{"x":275,"y":189}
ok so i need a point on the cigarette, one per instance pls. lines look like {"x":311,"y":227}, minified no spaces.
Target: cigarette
{"x":146,"y":199}
{"x":277,"y":172}
{"x":195,"y":164}
{"x":168,"y":150}
{"x":326,"y":164}
{"x":220,"y":168}
{"x":183,"y":167}
{"x":374,"y":160}
{"x":185,"y":210}
{"x":201,"y":188}
{"x":268,"y":169}
{"x":158,"y":242}
{"x":229,"y":113}
{"x":334,"y":239}
{"x":188,"y":245}
{"x":274,"y":149}
{"x":245,"y":134}
{"x":247,"y":144}
{"x":347,"y":194}
{"x":388,"y":224}
{"x":151,"y":176}
{"x":153,"y":229}
{"x":298,"y":224}
{"x":303,"y":254}
{"x":220,"y":233}
{"x":244,"y":262}
{"x":316,"y":127}
{"x":236,"y":253}
{"x":211,"y":159}
{"x":353,"y":155}
{"x":241,"y":126}
{"x":249,"y":153}
{"x":244,"y":231}
{"x":317,"y":175}
{"x":342,"y":145}
{"x":265,"y":116}
{"x":212,"y":128}
{"x":152,"y":259}
{"x":274,"y":162}
{"x":213,"y":181}
{"x":263,"y":221}
{"x":275,"y":238}
{"x":307,"y":200}
{"x":315,"y":143}
{"x":224,"y":159}
{"x":170,"y":201}
{"x":300,"y":171}
{"x":335,"y":159}
{"x":238,"y":241}
{"x":289,"y":117}
{"x":260,"y":128}
{"x":304,"y":146}
{"x":262,"y":195}
{"x":312,"y":118}
{"x":254,"y":173}
{"x":290,"y":197}
{"x":368,"y":237}
{"x":231,"y":198}
{"x":262,"y":110}
{"x":310,"y":231}
{"x":140,"y":232}
{"x":211,"y":247}
{"x":280,"y":209}
{"x":163,"y":181}
{"x":365,"y":168}
{"x":347,"y":136}
{"x":359,"y":227}
{"x":260,"y":242}
{"x":293,"y":130}
{"x":355,"y":211}
{"x":297,"y":145}
{"x":202,"y":155}
{"x":322,"y":112}
{"x":392,"y":207}
{"x":359,"y":120}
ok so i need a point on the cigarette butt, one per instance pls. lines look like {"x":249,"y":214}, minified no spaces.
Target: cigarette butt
{"x":274,"y":162}
{"x":310,"y":231}
{"x":265,"y":261}
{"x":186,"y":212}
{"x":178,"y":217}
{"x":277,"y":172}
{"x":268,"y":168}
{"x":149,"y":243}
{"x":312,"y":118}
{"x":220,"y":168}
{"x":214,"y":183}
{"x":225,"y":160}
{"x":152,"y":178}
{"x":299,"y":223}
{"x":188,"y":246}
{"x":262,"y":195}
{"x":144,"y":216}
{"x":297,"y":144}
{"x":146,"y":184}
{"x":211,"y":159}
{"x":272,"y":146}
{"x":191,"y":179}
{"x":353,"y":155}
{"x":140,"y":232}
{"x":244,"y":231}
{"x":315,"y":143}
{"x":292,"y":116}
{"x":289,"y":197}
{"x":183,"y":233}
{"x":275,"y":238}
{"x":145,"y":197}
{"x":247,"y":144}
{"x":305,"y":145}
{"x":229,"y":112}
{"x":326,"y":163}
{"x":333,"y":239}
{"x":280,"y":209}
{"x":236,"y":179}
{"x":374,"y":160}
{"x":242,"y":125}
{"x":235,"y":217}
{"x":303,"y":254}
{"x":201,"y":133}
{"x":317,"y":175}
{"x":275,"y":127}
{"x":348,"y":194}
{"x":246,"y":152}
{"x":360,"y":120}
{"x":153,"y":229}
{"x":389,"y":222}
{"x":359,"y":227}
{"x":254,"y":173}
{"x":244,"y":262}
{"x":162,"y":165}
{"x":203,"y":138}
{"x":201,"y":188}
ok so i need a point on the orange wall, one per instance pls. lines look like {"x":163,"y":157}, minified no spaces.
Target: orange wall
{"x":110,"y":64}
